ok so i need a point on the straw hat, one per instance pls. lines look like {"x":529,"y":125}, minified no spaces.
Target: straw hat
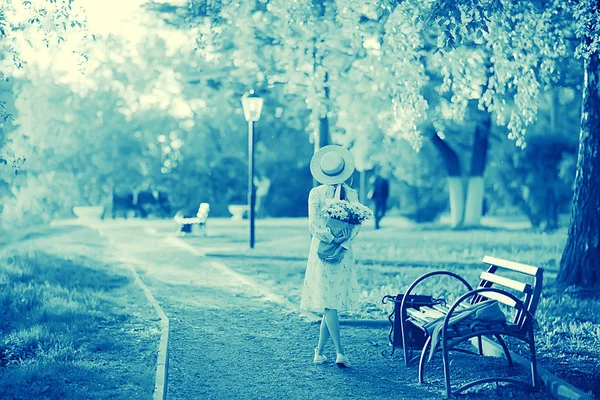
{"x":332,"y":164}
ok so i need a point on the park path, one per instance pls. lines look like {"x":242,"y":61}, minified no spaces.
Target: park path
{"x":228,"y":341}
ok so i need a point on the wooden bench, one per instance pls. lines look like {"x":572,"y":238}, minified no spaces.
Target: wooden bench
{"x":516,"y":286}
{"x":185,"y":219}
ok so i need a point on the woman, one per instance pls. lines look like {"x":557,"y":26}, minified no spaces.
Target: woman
{"x":330,"y":287}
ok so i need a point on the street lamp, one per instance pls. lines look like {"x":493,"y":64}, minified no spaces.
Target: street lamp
{"x":252,"y":105}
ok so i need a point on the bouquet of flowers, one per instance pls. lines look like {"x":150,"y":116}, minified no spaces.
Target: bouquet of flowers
{"x":351,"y":212}
{"x":340,"y":215}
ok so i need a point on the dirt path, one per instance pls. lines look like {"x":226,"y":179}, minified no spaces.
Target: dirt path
{"x":226,"y":341}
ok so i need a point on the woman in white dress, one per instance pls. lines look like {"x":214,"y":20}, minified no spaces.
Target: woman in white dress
{"x":330,"y":287}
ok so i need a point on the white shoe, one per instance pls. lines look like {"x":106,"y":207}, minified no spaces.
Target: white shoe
{"x":319,"y":358}
{"x":342,"y":361}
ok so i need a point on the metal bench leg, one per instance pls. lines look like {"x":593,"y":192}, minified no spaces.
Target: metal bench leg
{"x":405,"y":350}
{"x":422,"y":359}
{"x":406,"y":353}
{"x":533,"y":358}
{"x":505,"y":348}
{"x":445,"y":354}
{"x":479,"y":345}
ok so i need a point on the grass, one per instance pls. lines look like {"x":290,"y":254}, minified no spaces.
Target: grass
{"x":445,"y":245}
{"x":73,"y":329}
{"x":421,"y":244}
{"x":568,"y":338}
{"x":568,"y":332}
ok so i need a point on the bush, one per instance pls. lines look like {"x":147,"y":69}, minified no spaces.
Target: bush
{"x":422,"y":194}
{"x":539,"y":179}
{"x":288,"y":194}
{"x":40,"y":199}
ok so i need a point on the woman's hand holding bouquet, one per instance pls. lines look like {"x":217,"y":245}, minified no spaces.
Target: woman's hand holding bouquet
{"x":342,"y":217}
{"x":345,"y":234}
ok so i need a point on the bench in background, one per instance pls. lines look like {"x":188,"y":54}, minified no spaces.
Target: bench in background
{"x":187,"y":218}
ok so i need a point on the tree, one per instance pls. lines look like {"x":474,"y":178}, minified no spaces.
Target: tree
{"x":107,"y":128}
{"x":317,"y":44}
{"x":502,"y":67}
{"x":539,"y":179}
{"x":579,"y":263}
{"x":49,"y":23}
{"x":455,"y":97}
{"x":304,"y":49}
{"x":138,"y":117}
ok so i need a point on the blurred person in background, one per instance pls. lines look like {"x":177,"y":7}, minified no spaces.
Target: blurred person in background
{"x":379,"y":192}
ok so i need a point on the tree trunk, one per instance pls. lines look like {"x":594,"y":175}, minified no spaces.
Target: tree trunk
{"x":476,"y":184}
{"x":474,"y":202}
{"x":580,"y":263}
{"x":362,"y":196}
{"x":456,"y":190}
{"x":551,"y":208}
{"x":323,"y":133}
{"x":324,"y":138}
{"x":554,"y":108}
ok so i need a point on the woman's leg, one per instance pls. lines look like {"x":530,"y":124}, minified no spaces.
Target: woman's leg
{"x":323,"y":336}
{"x":333,"y":324}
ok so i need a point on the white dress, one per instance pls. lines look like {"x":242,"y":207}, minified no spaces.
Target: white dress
{"x":328,"y":285}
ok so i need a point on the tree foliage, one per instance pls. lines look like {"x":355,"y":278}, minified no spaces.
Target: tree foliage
{"x":579,"y":261}
{"x":30,"y":23}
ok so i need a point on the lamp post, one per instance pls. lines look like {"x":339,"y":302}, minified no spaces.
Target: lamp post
{"x":252,"y":105}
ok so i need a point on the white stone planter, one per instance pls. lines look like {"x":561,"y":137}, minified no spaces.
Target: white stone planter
{"x":91,"y":212}
{"x":238,"y":211}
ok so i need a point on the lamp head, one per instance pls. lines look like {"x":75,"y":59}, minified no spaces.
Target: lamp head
{"x":252,"y":105}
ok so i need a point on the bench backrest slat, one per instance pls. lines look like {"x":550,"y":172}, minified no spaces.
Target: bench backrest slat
{"x":510,"y":283}
{"x":530,"y":287}
{"x":203,"y":211}
{"x":500,"y":297}
{"x":522,"y":268}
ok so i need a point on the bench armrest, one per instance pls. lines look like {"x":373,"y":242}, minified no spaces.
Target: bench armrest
{"x":429,"y":275}
{"x":410,"y":289}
